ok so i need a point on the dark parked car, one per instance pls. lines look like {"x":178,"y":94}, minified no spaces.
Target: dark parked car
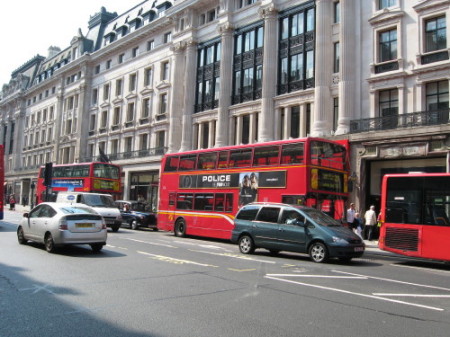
{"x":301,"y":229}
{"x":137,"y":214}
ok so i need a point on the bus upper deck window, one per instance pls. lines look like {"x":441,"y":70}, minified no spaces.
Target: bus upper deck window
{"x":292,"y":154}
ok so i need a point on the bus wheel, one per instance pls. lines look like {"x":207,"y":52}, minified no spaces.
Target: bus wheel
{"x":318,"y":252}
{"x":180,"y":228}
{"x":246,"y":245}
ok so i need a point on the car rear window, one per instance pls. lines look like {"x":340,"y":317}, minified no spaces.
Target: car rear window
{"x":248,"y":213}
{"x":76,"y":210}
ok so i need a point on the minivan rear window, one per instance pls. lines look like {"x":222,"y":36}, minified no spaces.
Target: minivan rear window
{"x":248,"y":213}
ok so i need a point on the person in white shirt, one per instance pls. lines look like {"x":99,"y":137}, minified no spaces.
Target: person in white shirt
{"x":351,"y":216}
{"x":370,"y":222}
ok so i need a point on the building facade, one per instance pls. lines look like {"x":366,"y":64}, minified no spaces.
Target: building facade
{"x":170,"y":76}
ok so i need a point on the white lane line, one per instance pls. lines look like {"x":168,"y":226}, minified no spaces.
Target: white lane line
{"x":320,"y":276}
{"x":354,"y":293}
{"x":411,"y":295}
{"x":150,"y":243}
{"x":235,"y":256}
{"x":394,"y":281}
{"x":175,"y":260}
{"x":421,"y":268}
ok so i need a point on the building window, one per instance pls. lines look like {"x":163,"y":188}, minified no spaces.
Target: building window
{"x":119,"y":87}
{"x":97,"y":69}
{"x":132,"y":82}
{"x":335,"y":112}
{"x":130,"y":112}
{"x":388,"y":45}
{"x":92,"y":123}
{"x":437,"y":102}
{"x":106,"y":92}
{"x":167,"y":37}
{"x":114,"y":146}
{"x":135,"y":52}
{"x":337,"y":12}
{"x":104,"y":119}
{"x":208,"y":76}
{"x":121,"y":57}
{"x":165,"y":71}
{"x":243,"y":3}
{"x":143,"y":142}
{"x":248,"y":60}
{"x":388,"y":105}
{"x":128,"y":144}
{"x":108,"y":64}
{"x":336,"y":57}
{"x":296,"y":50}
{"x":386,"y":3}
{"x":160,"y":141}
{"x":150,"y":45}
{"x":163,"y":104}
{"x":146,"y":108}
{"x":116,"y":116}
{"x":435,"y":34}
{"x":148,"y":77}
{"x":94,"y":96}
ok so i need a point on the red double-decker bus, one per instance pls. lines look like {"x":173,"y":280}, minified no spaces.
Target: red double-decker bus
{"x":415,"y":215}
{"x":83,"y":177}
{"x":2,"y":181}
{"x":201,"y":191}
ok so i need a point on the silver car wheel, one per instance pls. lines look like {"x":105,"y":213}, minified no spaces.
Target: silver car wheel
{"x":246,"y":245}
{"x":318,"y":252}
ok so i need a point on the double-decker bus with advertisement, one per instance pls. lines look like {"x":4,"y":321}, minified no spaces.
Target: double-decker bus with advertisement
{"x":83,"y":177}
{"x":2,"y":181}
{"x":415,"y":215}
{"x":201,"y":190}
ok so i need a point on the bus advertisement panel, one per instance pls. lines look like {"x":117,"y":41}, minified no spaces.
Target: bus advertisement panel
{"x":2,"y":181}
{"x":84,"y":177}
{"x":200,"y":191}
{"x":415,"y":213}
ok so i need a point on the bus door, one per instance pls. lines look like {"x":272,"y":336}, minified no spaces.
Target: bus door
{"x":171,"y":208}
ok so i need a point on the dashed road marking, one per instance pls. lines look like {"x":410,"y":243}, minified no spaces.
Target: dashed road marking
{"x":175,"y":260}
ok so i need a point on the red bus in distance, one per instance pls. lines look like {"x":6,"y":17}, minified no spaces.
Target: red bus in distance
{"x":2,"y":181}
{"x":201,"y":191}
{"x":84,"y":177}
{"x":415,"y":213}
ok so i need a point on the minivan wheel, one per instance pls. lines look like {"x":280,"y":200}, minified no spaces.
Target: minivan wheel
{"x":49,"y":243}
{"x":180,"y":228}
{"x":246,"y":245}
{"x":21,"y":236}
{"x":318,"y":252}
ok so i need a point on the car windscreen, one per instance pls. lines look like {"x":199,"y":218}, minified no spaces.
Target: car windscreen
{"x":321,"y":218}
{"x":76,"y":210}
{"x":95,"y":200}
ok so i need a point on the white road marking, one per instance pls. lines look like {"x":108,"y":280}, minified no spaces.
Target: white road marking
{"x":175,"y":260}
{"x":411,"y":295}
{"x":420,"y":268}
{"x":38,"y":288}
{"x":353,"y":293}
{"x":235,"y":256}
{"x":320,"y":276}
{"x":150,"y":243}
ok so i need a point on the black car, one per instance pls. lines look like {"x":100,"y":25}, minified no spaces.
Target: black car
{"x":137,"y":214}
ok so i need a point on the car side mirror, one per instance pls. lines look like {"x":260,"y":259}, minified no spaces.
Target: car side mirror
{"x":26,"y":215}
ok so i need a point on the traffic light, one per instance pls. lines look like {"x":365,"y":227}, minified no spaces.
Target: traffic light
{"x":48,"y":174}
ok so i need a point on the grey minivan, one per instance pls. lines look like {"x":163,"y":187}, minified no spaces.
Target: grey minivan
{"x":301,"y":229}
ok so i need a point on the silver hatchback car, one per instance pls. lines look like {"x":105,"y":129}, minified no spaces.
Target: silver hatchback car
{"x":57,"y":224}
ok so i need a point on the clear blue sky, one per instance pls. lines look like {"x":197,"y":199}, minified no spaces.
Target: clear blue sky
{"x":30,"y":27}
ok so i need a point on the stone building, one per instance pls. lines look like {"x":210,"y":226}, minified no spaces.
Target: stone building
{"x":168,"y":76}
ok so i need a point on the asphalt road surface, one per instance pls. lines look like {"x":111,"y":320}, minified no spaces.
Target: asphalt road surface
{"x":147,"y":283}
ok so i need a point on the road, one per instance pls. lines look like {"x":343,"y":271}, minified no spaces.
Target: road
{"x":147,"y":283}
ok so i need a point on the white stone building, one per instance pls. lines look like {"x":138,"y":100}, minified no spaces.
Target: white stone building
{"x":188,"y":74}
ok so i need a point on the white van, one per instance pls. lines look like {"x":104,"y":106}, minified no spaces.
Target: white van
{"x":103,"y":203}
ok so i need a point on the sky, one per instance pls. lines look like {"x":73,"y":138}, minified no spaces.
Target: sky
{"x":30,"y":27}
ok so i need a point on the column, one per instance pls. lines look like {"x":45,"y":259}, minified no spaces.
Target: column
{"x":201,"y":130}
{"x":287,"y":122}
{"x":253,"y":127}
{"x":303,"y":121}
{"x":189,"y":96}
{"x":211,"y":134}
{"x":270,"y":60}
{"x":277,"y":121}
{"x":323,"y":69}
{"x":58,"y":121}
{"x":226,"y":79}
{"x":82,"y":124}
{"x":347,"y":71}
{"x":238,"y":130}
{"x":176,"y":97}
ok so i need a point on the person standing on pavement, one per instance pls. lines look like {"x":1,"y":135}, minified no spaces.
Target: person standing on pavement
{"x":12,"y":202}
{"x":370,"y":222}
{"x":351,"y":216}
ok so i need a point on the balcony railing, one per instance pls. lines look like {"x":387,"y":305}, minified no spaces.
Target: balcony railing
{"x":157,"y":151}
{"x":409,"y":120}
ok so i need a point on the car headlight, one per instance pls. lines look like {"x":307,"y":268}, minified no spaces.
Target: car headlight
{"x":339,"y":240}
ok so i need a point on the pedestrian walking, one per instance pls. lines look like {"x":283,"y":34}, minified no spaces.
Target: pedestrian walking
{"x":351,"y":216}
{"x":358,"y":225}
{"x":12,"y":202}
{"x":370,"y":223}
